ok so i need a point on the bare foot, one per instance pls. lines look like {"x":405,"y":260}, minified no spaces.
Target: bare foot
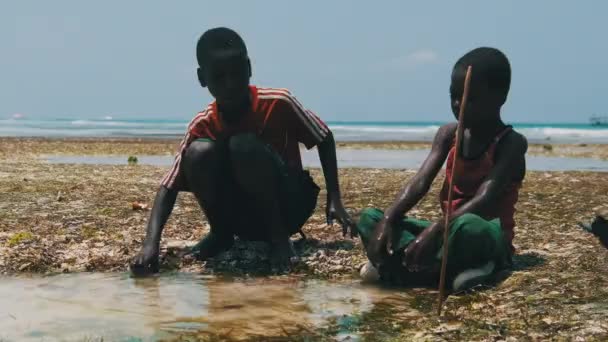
{"x":210,"y":246}
{"x":283,"y":254}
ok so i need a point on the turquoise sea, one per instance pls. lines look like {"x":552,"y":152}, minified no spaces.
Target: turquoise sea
{"x":343,"y":130}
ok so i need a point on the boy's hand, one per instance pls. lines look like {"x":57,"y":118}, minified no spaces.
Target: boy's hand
{"x":335,"y":210}
{"x":381,"y":244}
{"x":419,"y":252}
{"x":146,"y":261}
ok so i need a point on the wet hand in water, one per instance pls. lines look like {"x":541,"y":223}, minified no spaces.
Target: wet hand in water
{"x":283,"y":255}
{"x":418,"y":254}
{"x":146,"y":261}
{"x":335,"y":211}
{"x":380,"y":245}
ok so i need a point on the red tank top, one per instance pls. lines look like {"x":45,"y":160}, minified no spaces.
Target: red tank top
{"x":470,"y":176}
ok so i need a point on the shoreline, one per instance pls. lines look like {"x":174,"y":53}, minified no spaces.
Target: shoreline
{"x":25,"y":147}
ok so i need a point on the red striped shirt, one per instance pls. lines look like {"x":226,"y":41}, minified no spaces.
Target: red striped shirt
{"x":276,"y":117}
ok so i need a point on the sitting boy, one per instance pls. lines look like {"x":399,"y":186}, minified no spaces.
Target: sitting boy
{"x":240,"y":158}
{"x":491,"y":168}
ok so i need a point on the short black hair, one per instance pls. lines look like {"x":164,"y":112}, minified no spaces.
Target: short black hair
{"x":216,"y":39}
{"x":489,"y":64}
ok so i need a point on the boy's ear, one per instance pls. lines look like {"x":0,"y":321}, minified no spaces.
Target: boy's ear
{"x":249,"y":64}
{"x":503,"y":99}
{"x":499,"y":97}
{"x":201,"y":77}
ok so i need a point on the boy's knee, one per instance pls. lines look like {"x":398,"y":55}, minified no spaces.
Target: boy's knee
{"x":371,"y":215}
{"x":473,"y":227}
{"x":252,"y":164}
{"x":250,"y":158}
{"x":199,"y":150}
{"x":368,"y":219}
{"x":243,"y":145}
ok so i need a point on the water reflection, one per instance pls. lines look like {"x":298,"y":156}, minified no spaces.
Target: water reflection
{"x":363,"y":158}
{"x":116,"y":307}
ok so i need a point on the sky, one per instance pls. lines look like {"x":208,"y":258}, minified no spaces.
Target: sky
{"x":346,"y":60}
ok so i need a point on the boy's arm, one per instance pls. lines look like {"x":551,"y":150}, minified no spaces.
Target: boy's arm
{"x":420,"y":184}
{"x":412,"y":193}
{"x":146,"y":261}
{"x":310,"y":130}
{"x":335,"y":209}
{"x":510,"y":165}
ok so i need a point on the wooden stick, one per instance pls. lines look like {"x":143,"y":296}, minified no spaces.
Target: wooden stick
{"x":448,"y":211}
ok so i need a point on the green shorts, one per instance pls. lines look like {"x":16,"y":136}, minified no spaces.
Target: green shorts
{"x":473,"y":241}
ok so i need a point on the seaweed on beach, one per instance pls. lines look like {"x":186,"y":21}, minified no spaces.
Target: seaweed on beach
{"x":70,"y":218}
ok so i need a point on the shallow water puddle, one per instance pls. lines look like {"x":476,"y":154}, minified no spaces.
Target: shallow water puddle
{"x":362,"y":158}
{"x":117,"y":307}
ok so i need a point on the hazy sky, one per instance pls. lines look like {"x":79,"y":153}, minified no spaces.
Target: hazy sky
{"x":346,"y":60}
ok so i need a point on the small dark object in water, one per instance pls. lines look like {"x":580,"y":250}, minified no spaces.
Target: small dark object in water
{"x":597,"y":120}
{"x":599,"y":228}
{"x":548,"y":147}
{"x":132,"y":160}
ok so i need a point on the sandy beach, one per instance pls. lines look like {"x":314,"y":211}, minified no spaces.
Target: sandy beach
{"x":72,"y":218}
{"x":32,"y":147}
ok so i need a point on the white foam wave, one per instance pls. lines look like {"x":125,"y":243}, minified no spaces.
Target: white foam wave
{"x":94,"y":124}
{"x":345,"y":132}
{"x":544,"y":132}
{"x":59,"y":132}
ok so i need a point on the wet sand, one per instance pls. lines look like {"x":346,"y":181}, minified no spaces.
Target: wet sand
{"x":33,"y":147}
{"x":74,"y":218}
{"x":352,"y":158}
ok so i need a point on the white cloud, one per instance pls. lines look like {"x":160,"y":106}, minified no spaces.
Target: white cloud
{"x":424,"y":56}
{"x":412,"y":60}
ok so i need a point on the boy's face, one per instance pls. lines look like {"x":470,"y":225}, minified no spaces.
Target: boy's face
{"x":227,"y":76}
{"x":482,"y":105}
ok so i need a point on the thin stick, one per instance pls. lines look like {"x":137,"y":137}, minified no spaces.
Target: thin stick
{"x":448,"y":211}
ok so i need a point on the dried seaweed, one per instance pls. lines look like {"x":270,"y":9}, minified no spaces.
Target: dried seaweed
{"x":69,"y":218}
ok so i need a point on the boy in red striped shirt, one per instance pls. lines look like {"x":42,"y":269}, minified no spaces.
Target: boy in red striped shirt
{"x":240,"y":157}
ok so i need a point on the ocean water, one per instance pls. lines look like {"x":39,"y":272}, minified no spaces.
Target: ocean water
{"x":343,"y":131}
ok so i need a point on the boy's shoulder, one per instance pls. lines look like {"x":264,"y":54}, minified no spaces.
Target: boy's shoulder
{"x":445,"y":135}
{"x":204,"y":115}
{"x":272,"y":89}
{"x":278,"y":94}
{"x":281,"y":100}
{"x":448,"y":129}
{"x":515,"y":142}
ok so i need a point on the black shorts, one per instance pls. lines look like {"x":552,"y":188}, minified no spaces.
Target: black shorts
{"x":298,"y":195}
